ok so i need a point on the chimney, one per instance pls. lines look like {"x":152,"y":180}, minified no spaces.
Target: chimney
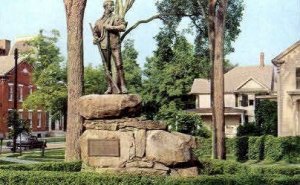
{"x":262,"y":59}
{"x":4,"y":47}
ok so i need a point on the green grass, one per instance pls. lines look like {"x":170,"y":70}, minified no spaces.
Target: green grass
{"x":6,"y":162}
{"x":55,"y":139}
{"x":51,"y":155}
{"x":270,"y":163}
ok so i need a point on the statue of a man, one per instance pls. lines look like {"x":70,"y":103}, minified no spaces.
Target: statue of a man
{"x":107,"y":35}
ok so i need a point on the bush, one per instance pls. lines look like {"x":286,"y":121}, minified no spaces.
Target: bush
{"x":218,"y":167}
{"x":256,"y":148}
{"x":282,"y":170}
{"x":241,"y":148}
{"x":182,"y":121}
{"x":291,"y":149}
{"x":204,"y":148}
{"x":273,"y":148}
{"x":67,"y":178}
{"x":248,"y":129}
{"x":50,"y":166}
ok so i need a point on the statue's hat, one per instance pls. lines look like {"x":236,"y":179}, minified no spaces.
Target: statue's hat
{"x":107,"y":1}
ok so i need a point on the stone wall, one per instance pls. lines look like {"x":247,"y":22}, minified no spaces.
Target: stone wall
{"x":132,"y":145}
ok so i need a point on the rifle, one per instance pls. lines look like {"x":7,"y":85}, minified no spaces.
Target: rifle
{"x":107,"y":73}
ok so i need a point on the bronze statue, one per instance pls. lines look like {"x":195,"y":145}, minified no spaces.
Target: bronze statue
{"x":107,"y":36}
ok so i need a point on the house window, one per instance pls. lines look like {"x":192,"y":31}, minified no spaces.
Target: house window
{"x":39,"y":119}
{"x":244,"y":102}
{"x":297,"y":78}
{"x":251,"y":102}
{"x":20,"y":114}
{"x":10,"y":92}
{"x":30,"y":118}
{"x":20,"y":93}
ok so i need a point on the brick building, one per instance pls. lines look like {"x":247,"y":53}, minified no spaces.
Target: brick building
{"x":37,"y":118}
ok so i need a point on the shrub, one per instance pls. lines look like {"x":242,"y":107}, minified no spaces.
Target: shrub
{"x":248,"y":129}
{"x":282,"y":170}
{"x":273,"y":148}
{"x":204,"y":147}
{"x":241,"y":148}
{"x":218,"y":167}
{"x":75,"y":178}
{"x":291,"y":149}
{"x":256,"y":148}
{"x":230,"y":146}
{"x":50,"y":166}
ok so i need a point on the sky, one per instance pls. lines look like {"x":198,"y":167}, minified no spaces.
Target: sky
{"x":268,"y":26}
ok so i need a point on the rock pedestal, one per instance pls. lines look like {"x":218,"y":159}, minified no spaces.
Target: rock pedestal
{"x":114,"y":142}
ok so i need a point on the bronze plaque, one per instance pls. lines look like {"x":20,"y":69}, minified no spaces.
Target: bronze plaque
{"x":104,"y":148}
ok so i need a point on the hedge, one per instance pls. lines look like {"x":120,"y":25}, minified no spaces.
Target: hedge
{"x":205,"y":144}
{"x":219,"y":167}
{"x":256,"y":148}
{"x":75,"y":178}
{"x":47,"y":166}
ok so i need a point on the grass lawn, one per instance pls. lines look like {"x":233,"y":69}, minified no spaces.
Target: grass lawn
{"x":6,"y":162}
{"x":55,"y":139}
{"x":51,"y":155}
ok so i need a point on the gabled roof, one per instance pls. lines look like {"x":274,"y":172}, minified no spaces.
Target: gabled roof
{"x":277,"y":60}
{"x":200,"y":86}
{"x":259,"y":86}
{"x":7,"y":63}
{"x":236,"y":77}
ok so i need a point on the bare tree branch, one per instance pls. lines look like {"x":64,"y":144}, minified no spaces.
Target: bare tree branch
{"x":158,"y":16}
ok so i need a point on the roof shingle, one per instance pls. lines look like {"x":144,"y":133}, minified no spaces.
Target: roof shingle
{"x":236,"y":77}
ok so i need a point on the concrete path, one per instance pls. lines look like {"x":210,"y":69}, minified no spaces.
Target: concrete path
{"x":56,"y":145}
{"x":15,"y":160}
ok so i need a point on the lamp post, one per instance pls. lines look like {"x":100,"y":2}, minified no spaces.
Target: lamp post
{"x":16,"y":56}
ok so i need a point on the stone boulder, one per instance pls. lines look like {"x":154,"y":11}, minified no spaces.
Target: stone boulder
{"x":109,"y":106}
{"x":169,"y":148}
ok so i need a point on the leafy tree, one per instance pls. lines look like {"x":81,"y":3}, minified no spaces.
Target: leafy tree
{"x":182,"y":121}
{"x":17,"y":126}
{"x":217,"y":25}
{"x":169,"y":74}
{"x":49,"y":75}
{"x":266,"y":117}
{"x":94,"y":80}
{"x":265,"y":120}
{"x":133,"y":72}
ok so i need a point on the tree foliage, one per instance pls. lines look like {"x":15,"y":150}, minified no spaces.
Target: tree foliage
{"x":94,"y":80}
{"x":133,"y":72}
{"x":266,"y":117}
{"x":265,"y":120}
{"x":182,"y":121}
{"x":49,"y":75}
{"x":16,"y":126}
{"x":169,"y":74}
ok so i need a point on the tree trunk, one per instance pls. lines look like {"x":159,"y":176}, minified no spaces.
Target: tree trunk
{"x":218,"y":68}
{"x":74,"y":14}
{"x":211,"y":39}
{"x":216,"y":28}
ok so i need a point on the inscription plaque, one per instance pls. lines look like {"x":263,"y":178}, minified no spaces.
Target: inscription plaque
{"x":104,"y":148}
